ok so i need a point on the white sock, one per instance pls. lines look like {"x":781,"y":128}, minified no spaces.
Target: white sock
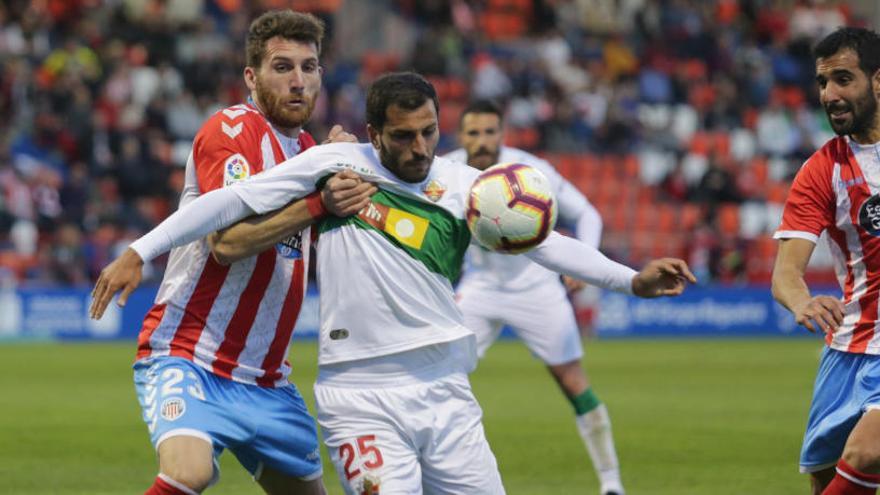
{"x":595,"y":430}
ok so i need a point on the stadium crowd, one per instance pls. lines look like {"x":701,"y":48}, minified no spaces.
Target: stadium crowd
{"x":682,"y":120}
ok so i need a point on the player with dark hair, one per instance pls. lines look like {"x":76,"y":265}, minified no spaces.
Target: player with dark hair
{"x":393,"y":396}
{"x":211,"y":372}
{"x":497,"y":289}
{"x":837,"y":191}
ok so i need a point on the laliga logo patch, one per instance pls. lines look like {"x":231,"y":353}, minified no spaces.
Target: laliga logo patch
{"x":235,"y":169}
{"x":434,"y":190}
{"x":869,"y":215}
{"x":172,"y":408}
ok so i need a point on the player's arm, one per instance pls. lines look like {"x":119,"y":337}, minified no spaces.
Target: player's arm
{"x":344,"y":194}
{"x":210,"y":212}
{"x":577,"y":212}
{"x":790,"y":288}
{"x":660,"y":277}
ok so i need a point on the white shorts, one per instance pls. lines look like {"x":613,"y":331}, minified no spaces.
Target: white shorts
{"x":423,"y":437}
{"x":542,"y":317}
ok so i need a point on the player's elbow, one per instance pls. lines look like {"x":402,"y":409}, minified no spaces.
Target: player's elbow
{"x":224,"y":253}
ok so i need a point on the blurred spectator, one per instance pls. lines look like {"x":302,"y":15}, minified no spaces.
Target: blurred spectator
{"x":682,"y":100}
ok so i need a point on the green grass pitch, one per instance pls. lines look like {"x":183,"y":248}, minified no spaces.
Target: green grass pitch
{"x":690,"y":417}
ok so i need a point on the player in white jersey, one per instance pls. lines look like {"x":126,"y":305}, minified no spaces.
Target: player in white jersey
{"x":498,"y":290}
{"x":393,"y":397}
{"x":211,"y":365}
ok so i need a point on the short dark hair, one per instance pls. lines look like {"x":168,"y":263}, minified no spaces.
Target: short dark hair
{"x":407,"y":90}
{"x":290,"y":25}
{"x":864,"y":42}
{"x":482,"y":106}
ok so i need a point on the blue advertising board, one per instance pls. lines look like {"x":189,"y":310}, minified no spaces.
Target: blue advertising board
{"x":62,"y":313}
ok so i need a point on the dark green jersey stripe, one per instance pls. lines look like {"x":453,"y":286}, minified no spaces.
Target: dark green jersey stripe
{"x":440,"y":247}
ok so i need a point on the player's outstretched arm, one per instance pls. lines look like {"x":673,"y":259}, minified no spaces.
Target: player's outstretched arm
{"x":123,"y":274}
{"x":572,"y":257}
{"x":344,"y":194}
{"x":662,"y":277}
{"x":790,"y":289}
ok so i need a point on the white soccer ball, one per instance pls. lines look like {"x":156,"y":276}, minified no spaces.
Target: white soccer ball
{"x":511,"y":208}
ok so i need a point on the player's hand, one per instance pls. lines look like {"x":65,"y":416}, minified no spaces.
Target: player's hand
{"x":346,"y":193}
{"x":123,"y":274}
{"x":572,"y":285}
{"x":662,"y":277}
{"x":338,"y":135}
{"x":820,"y":313}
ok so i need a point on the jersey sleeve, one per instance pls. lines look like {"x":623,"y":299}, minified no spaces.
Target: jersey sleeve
{"x":226,"y":150}
{"x":294,"y":177}
{"x":809,"y":208}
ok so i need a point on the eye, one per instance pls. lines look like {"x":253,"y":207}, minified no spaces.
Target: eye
{"x":282,"y":67}
{"x":310,"y":67}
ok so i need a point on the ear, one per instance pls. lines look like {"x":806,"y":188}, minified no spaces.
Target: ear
{"x":875,"y":82}
{"x":374,"y":136}
{"x":250,"y":78}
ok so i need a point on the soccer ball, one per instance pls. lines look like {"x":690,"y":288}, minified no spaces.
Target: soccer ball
{"x":511,"y":208}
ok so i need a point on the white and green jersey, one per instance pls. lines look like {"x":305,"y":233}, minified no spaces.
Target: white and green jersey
{"x":386,"y":274}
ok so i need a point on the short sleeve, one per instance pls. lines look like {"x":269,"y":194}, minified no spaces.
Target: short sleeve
{"x":226,"y":150}
{"x":809,"y":208}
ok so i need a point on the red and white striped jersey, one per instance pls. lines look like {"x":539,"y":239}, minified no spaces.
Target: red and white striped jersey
{"x":838,"y":191}
{"x":235,"y":321}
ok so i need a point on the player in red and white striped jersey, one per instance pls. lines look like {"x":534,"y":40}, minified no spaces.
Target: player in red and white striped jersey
{"x":211,"y":370}
{"x":838,"y":191}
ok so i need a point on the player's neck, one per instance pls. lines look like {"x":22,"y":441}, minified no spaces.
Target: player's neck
{"x":868,"y":137}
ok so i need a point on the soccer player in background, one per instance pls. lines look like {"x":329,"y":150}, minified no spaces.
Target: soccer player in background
{"x":394,"y":401}
{"x":837,"y":191}
{"x":211,"y":370}
{"x":498,"y":289}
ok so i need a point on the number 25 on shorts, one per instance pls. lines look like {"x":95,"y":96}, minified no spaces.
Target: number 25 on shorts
{"x":367,"y":455}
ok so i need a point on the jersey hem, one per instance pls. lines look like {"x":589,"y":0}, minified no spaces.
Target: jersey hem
{"x":460,"y":332}
{"x":870,"y":350}
{"x":249,"y":380}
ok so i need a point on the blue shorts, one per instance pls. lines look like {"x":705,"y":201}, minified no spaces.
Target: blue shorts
{"x":846,"y":386}
{"x":261,"y":426}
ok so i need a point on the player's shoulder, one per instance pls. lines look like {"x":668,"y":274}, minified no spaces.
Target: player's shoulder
{"x":834,"y":151}
{"x":458,"y":155}
{"x":233,"y":126}
{"x":444,"y":166}
{"x":516,"y":155}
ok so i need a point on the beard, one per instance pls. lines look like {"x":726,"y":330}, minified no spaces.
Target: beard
{"x":413,"y":171}
{"x":277,"y":113}
{"x":863,"y":112}
{"x":483,"y":159}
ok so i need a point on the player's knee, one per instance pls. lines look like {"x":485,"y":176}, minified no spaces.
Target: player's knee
{"x":195,"y":477}
{"x":864,"y":456}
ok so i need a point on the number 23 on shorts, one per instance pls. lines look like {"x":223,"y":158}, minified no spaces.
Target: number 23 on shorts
{"x":366,"y":453}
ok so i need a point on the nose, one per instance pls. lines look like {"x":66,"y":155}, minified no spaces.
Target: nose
{"x":297,"y":80}
{"x":830,"y":93}
{"x":420,"y":146}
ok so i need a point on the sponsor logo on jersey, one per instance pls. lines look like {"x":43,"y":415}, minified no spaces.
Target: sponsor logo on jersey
{"x":235,"y":169}
{"x":339,"y":334}
{"x":406,"y":228}
{"x":434,"y":190}
{"x":869,"y":215}
{"x":290,"y":248}
{"x":172,"y":408}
